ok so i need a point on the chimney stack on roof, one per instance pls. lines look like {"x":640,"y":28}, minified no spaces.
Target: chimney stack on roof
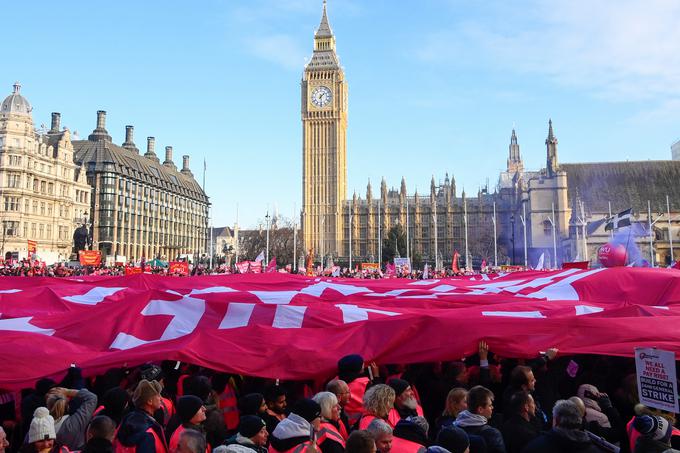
{"x":150,"y":147}
{"x":56,"y":120}
{"x":185,"y":166}
{"x":129,"y":139}
{"x":100,"y":133}
{"x":101,"y":119}
{"x":168,"y":157}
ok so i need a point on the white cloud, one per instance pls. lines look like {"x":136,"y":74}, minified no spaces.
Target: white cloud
{"x":280,"y":49}
{"x":615,"y":49}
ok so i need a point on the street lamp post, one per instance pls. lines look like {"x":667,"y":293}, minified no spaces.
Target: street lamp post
{"x":266,"y":253}
{"x":523,"y":218}
{"x":495,"y":240}
{"x":512,"y":227}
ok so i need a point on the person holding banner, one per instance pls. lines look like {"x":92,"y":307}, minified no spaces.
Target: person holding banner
{"x":139,"y":432}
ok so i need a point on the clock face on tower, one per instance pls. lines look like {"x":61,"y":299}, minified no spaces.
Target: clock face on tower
{"x":321,"y":96}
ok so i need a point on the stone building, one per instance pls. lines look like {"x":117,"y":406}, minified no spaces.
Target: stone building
{"x":141,"y":207}
{"x":44,"y":193}
{"x":556,"y":211}
{"x":225,"y":242}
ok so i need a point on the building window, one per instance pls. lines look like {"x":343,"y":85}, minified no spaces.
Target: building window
{"x":49,"y":231}
{"x":42,"y":208}
{"x":49,"y":209}
{"x":26,"y":229}
{"x":14,"y":161}
{"x":34,"y":231}
{"x":13,"y":180}
{"x":11,"y":203}
{"x":547,"y":227}
{"x":11,"y":227}
{"x":41,"y":231}
{"x":43,"y":186}
{"x":50,"y":188}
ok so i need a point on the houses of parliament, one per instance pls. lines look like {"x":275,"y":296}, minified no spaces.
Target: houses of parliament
{"x":545,"y":211}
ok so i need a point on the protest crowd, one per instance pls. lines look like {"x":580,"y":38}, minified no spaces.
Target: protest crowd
{"x":482,"y":403}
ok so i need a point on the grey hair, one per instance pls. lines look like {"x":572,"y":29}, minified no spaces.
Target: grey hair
{"x":567,"y":414}
{"x":378,"y":428}
{"x":327,"y":401}
{"x":335,"y":386}
{"x":195,"y":440}
{"x":420,"y":421}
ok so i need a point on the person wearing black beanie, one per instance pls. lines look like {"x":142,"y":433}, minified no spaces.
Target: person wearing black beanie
{"x":251,"y":436}
{"x":453,"y":439}
{"x":252,"y":404}
{"x":405,"y":403}
{"x":351,"y":370}
{"x":191,"y":414}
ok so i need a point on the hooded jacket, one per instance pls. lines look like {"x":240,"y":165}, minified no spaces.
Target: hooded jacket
{"x":290,"y":432}
{"x":133,"y":432}
{"x":477,"y":425}
{"x":241,"y":444}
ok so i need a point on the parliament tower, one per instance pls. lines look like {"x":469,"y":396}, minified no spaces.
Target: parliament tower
{"x":324,"y":153}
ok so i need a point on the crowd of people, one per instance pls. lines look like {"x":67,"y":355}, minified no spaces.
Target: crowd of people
{"x":482,"y":403}
{"x":27,"y":268}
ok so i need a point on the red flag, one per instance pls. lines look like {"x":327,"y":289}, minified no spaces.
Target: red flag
{"x":454,"y":263}
{"x":271,"y":267}
{"x":483,"y":264}
{"x":202,"y":319}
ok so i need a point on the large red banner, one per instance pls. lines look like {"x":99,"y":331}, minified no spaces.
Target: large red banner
{"x":293,"y":327}
{"x":178,"y":268}
{"x":90,"y":257}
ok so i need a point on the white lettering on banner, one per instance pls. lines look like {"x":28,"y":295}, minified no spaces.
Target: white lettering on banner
{"x":354,"y":313}
{"x":93,"y":296}
{"x":541,"y":281}
{"x":23,"y":325}
{"x":275,"y":297}
{"x":238,"y":315}
{"x":443,"y":288}
{"x":394,"y":292}
{"x":9,"y":291}
{"x":562,"y":290}
{"x":186,"y":313}
{"x":424,"y":282}
{"x":587,"y":309}
{"x":345,"y":290}
{"x":212,"y":289}
{"x":661,"y":307}
{"x":491,"y":288}
{"x":514,"y":314}
{"x":289,"y":316}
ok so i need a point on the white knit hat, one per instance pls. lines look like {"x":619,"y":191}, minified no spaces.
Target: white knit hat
{"x":42,"y":426}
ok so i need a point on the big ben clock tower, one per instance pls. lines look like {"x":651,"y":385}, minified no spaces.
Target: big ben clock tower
{"x":324,"y":153}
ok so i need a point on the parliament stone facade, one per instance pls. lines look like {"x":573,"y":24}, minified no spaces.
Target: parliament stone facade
{"x":542,"y":212}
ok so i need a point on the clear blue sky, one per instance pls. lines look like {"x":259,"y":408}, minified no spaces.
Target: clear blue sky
{"x":435,"y":85}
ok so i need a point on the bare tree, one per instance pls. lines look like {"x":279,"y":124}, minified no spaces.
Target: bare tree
{"x":280,"y":241}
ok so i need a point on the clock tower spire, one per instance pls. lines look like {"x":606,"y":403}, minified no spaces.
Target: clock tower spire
{"x":324,"y":154}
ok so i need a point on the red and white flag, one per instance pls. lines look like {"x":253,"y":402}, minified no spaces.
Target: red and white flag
{"x":454,"y":262}
{"x":204,"y":320}
{"x":271,"y":267}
